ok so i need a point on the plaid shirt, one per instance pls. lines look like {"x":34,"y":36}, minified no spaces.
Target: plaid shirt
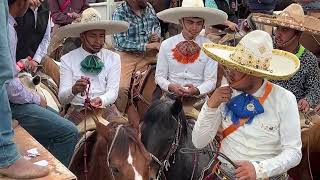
{"x":140,"y":28}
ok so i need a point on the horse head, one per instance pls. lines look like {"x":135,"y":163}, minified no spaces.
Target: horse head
{"x":118,"y":153}
{"x":164,"y":130}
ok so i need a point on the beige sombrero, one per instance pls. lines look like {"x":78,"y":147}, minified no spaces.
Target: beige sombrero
{"x":90,"y":19}
{"x":254,"y":55}
{"x":193,"y":8}
{"x":291,"y":17}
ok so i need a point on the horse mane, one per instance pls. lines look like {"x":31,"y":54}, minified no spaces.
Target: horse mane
{"x":163,"y":110}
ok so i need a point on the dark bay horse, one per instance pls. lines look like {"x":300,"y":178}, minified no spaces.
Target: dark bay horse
{"x":113,"y":152}
{"x":165,"y":131}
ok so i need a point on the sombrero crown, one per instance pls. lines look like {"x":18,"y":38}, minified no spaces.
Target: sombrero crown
{"x":193,"y":8}
{"x":254,"y":55}
{"x":291,"y":17}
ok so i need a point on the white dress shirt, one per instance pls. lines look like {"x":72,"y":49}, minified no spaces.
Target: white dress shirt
{"x":13,"y":42}
{"x":104,"y":85}
{"x":43,"y":46}
{"x":271,"y":142}
{"x":201,"y":74}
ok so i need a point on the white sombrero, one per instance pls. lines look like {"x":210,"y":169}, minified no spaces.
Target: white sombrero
{"x":90,"y":20}
{"x":193,"y":8}
{"x":254,"y":55}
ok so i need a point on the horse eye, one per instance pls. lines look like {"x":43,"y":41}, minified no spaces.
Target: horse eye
{"x":115,"y":170}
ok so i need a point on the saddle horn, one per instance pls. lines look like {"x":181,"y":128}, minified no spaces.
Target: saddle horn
{"x":36,"y":80}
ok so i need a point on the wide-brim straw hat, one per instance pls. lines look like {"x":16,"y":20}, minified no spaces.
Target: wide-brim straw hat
{"x":292,"y":17}
{"x":254,"y":55}
{"x":90,"y":20}
{"x":193,"y":8}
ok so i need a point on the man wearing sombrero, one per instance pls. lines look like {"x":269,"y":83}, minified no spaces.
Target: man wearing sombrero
{"x":305,"y":84}
{"x":260,"y":120}
{"x":90,"y":65}
{"x":290,"y":23}
{"x":182,"y":68}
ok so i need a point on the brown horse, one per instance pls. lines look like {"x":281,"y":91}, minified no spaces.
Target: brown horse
{"x":113,"y":152}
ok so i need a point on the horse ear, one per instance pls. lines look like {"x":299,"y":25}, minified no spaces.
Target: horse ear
{"x":157,"y":93}
{"x":176,"y":107}
{"x":133,"y":117}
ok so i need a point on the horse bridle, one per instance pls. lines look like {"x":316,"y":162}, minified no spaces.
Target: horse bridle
{"x":165,"y":164}
{"x":111,"y":147}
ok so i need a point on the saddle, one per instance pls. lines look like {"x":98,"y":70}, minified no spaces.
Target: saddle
{"x":77,"y":115}
{"x":143,"y":85}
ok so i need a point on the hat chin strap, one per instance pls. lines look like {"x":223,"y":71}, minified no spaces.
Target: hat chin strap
{"x":187,"y":31}
{"x":291,"y":40}
{"x":240,"y":81}
{"x":88,"y":45}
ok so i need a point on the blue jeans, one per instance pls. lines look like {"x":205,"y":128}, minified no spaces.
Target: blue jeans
{"x":8,"y":150}
{"x":55,"y":133}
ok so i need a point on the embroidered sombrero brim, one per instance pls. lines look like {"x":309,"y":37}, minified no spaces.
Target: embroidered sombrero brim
{"x":282,"y":66}
{"x":75,"y":29}
{"x":309,"y":24}
{"x":211,"y":16}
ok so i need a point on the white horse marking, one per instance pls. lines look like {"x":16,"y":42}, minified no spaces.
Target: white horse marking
{"x":137,"y":176}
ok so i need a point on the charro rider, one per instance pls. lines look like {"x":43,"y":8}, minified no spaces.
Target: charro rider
{"x":138,"y":46}
{"x":182,"y":67}
{"x":90,"y":65}
{"x":305,"y":84}
{"x":260,"y":120}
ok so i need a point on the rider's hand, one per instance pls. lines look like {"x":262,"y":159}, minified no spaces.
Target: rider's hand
{"x":96,"y":102}
{"x":303,"y":105}
{"x":176,"y":89}
{"x":35,"y":3}
{"x":317,"y":109}
{"x":73,"y":15}
{"x":220,"y":95}
{"x":154,"y":45}
{"x":190,"y":90}
{"x":43,"y":102}
{"x":154,"y":37}
{"x":33,"y":65}
{"x":245,"y":171}
{"x":80,"y":86}
{"x":232,"y":26}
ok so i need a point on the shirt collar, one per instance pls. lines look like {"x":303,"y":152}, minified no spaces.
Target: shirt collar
{"x":86,"y":53}
{"x":12,"y":21}
{"x":258,"y":93}
{"x":195,"y":40}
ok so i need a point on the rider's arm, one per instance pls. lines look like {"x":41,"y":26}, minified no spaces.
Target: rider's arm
{"x":312,"y":81}
{"x":290,"y":139}
{"x":65,"y":88}
{"x":210,"y":77}
{"x":206,"y":126}
{"x":19,"y":94}
{"x":43,"y":46}
{"x":162,"y":70}
{"x":57,"y":16}
{"x":113,"y":79}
